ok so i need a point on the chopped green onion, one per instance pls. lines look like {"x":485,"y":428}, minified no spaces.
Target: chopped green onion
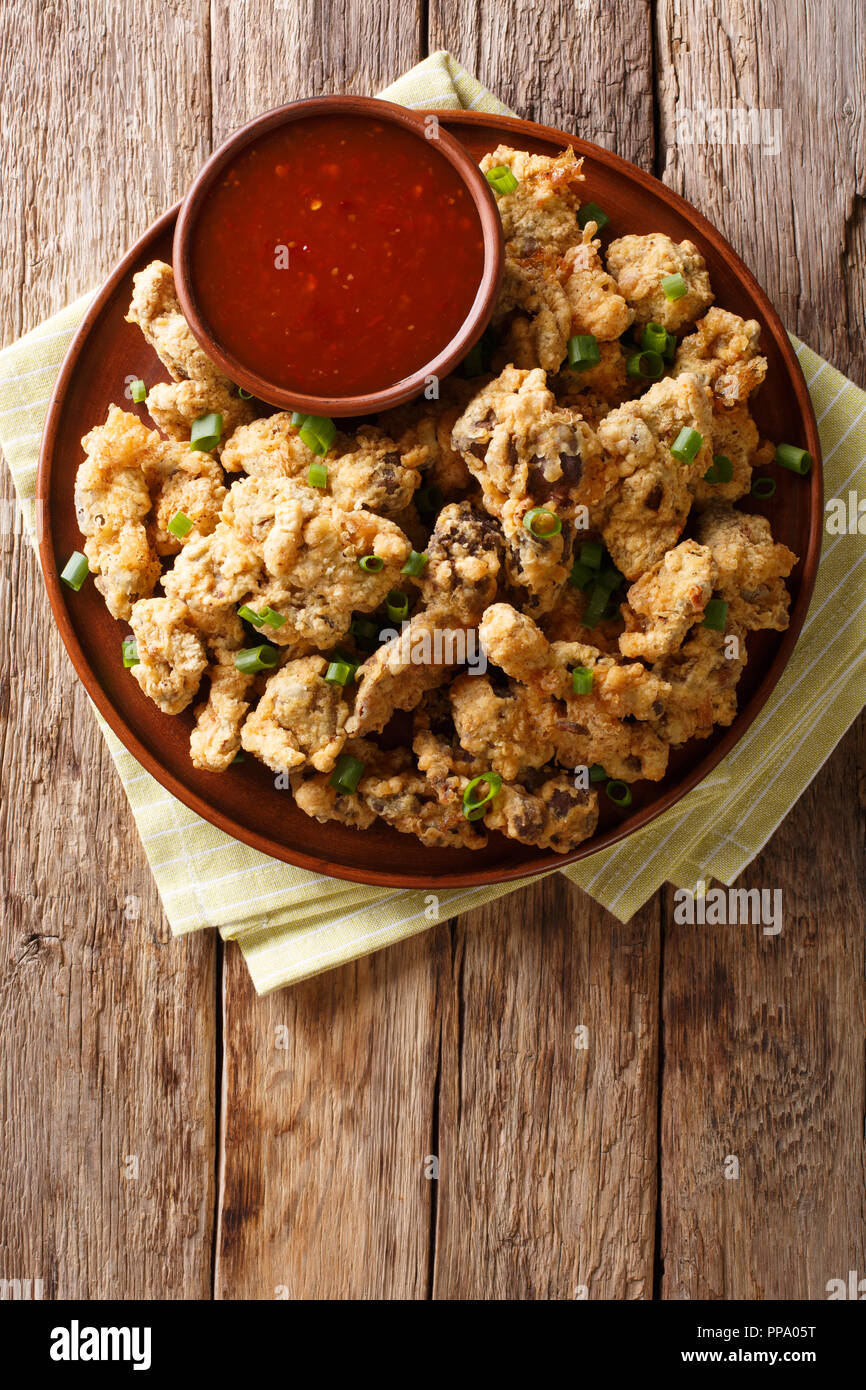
{"x":473,"y":362}
{"x":581,"y":680}
{"x":763,"y":487}
{"x":542,"y":524}
{"x":297,"y":419}
{"x":686,"y":445}
{"x":397,"y":604}
{"x":610,"y":579}
{"x":647,"y":365}
{"x":501,"y":179}
{"x":318,"y":433}
{"x":129,"y":648}
{"x":339,"y":672}
{"x":618,"y":792}
{"x":180,"y":525}
{"x":674,"y":286}
{"x":416,"y":564}
{"x":272,"y":619}
{"x":245,"y":395}
{"x":206,"y":431}
{"x":138,"y":391}
{"x":365,"y":632}
{"x":75,"y":571}
{"x":790,"y":456}
{"x":721,"y":470}
{"x":654,"y":338}
{"x":670,"y":348}
{"x":715,"y":615}
{"x":318,"y":475}
{"x":581,"y":575}
{"x":474,"y":808}
{"x":429,"y":499}
{"x":347,"y":773}
{"x":250,"y":660}
{"x":591,"y":553}
{"x":597,"y":773}
{"x":340,"y":654}
{"x":583,"y":352}
{"x":595,"y":609}
{"x":250,"y":615}
{"x":591,"y":212}
{"x":372,"y":563}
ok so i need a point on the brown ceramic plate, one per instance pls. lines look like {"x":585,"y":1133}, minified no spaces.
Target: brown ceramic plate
{"x":243,"y":801}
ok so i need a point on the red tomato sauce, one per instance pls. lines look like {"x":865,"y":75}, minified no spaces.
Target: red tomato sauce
{"x":337,"y":255}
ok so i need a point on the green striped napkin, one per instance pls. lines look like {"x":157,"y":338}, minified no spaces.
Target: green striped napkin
{"x":291,"y":923}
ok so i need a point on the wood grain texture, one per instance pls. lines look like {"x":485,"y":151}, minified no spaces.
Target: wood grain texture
{"x":328,"y":1099}
{"x":547,"y":1111}
{"x":763,"y":1037}
{"x":107,"y":1036}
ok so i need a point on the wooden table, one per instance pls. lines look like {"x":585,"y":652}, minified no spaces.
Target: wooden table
{"x":168,"y":1135}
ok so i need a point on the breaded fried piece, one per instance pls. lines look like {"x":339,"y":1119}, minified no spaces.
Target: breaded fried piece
{"x":156,"y":309}
{"x":723,"y":354}
{"x":640,"y":263}
{"x":212,"y":575}
{"x":171,"y":655}
{"x":216,"y":738}
{"x":542,"y":211}
{"x":464,"y":560}
{"x":317,"y":798}
{"x":498,"y":725}
{"x":536,"y":309}
{"x":426,"y":425}
{"x":365,"y":470}
{"x":564,"y":623}
{"x":702,"y":675}
{"x":594,"y":298}
{"x":301,"y":718}
{"x":544,"y":809}
{"x":188,"y":481}
{"x":522,"y":447}
{"x":112,"y":501}
{"x":584,"y":734}
{"x":421,"y":657}
{"x":594,"y":391}
{"x":175,"y":405}
{"x":536,"y":567}
{"x":735,"y":436}
{"x":666,"y":601}
{"x":645,"y":514}
{"x":312,"y":548}
{"x":752,"y":568}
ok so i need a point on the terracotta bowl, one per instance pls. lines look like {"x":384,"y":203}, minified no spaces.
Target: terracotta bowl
{"x":107,"y":351}
{"x":188,"y":230}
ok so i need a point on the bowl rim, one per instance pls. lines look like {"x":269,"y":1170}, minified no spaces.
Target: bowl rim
{"x":464,"y":878}
{"x":445,"y":360}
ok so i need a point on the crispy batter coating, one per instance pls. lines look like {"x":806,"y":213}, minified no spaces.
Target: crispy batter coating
{"x":735,"y":436}
{"x":564,"y":623}
{"x":702,"y":675}
{"x":522,"y":447}
{"x":419,"y":658}
{"x":216,"y":738}
{"x":213,"y":574}
{"x":171,"y":655}
{"x":536,"y":309}
{"x":156,"y":310}
{"x":594,"y":298}
{"x":112,"y":501}
{"x":544,"y":809}
{"x":752,"y":568}
{"x":594,"y":391}
{"x":464,"y":559}
{"x":175,"y":405}
{"x":317,"y":798}
{"x":497,"y":725}
{"x":426,"y":425}
{"x":301,"y":718}
{"x":542,"y":210}
{"x":640,"y":263}
{"x":312,"y":548}
{"x":666,"y":601}
{"x":189,"y":481}
{"x":366,"y":471}
{"x":723,"y":354}
{"x":536,"y":567}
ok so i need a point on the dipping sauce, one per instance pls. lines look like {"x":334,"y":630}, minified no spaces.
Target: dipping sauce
{"x":336,"y":255}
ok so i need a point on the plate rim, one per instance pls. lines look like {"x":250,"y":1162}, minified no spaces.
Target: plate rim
{"x":468,"y":878}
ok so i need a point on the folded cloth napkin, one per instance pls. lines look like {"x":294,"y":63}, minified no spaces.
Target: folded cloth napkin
{"x":291,"y":923}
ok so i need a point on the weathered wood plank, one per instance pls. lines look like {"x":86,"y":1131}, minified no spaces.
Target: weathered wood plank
{"x":323,"y":1192}
{"x":548,"y":1153}
{"x":547,"y":1115}
{"x":763,"y":1035}
{"x":107,"y":1036}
